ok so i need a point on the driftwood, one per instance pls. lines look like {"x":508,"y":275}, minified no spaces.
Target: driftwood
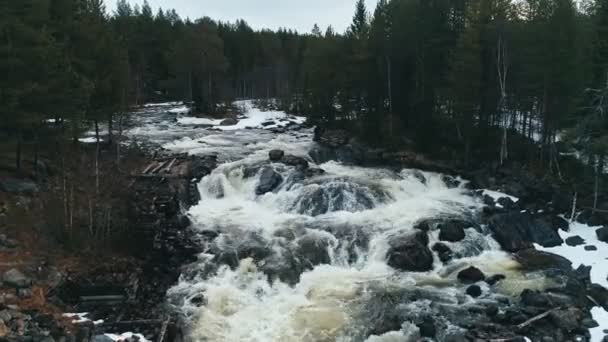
{"x":147,"y":169}
{"x":163,"y":329}
{"x":109,"y":298}
{"x":168,"y":168}
{"x":160,"y":166}
{"x":536,"y":318}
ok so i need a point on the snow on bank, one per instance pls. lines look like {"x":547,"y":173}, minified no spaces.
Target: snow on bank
{"x":252,"y":118}
{"x":81,"y":317}
{"x":598,"y":261}
{"x":127,"y":336}
{"x":163,"y":104}
{"x":498,"y":195}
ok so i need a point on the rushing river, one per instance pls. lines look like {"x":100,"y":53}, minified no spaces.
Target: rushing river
{"x":307,"y":261}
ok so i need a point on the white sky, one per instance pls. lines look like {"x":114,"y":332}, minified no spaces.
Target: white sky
{"x":300,"y":15}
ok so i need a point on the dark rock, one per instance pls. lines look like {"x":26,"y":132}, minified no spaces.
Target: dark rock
{"x":200,"y":167}
{"x":427,"y":328}
{"x":313,"y":172}
{"x":590,"y":248}
{"x":18,"y":186}
{"x":567,"y":319}
{"x":410,"y":253}
{"x":451,"y":231}
{"x":229,"y":122}
{"x":575,"y":241}
{"x":471,"y":275}
{"x":534,"y":260}
{"x":450,"y":181}
{"x":535,"y":298}
{"x":488,"y":200}
{"x":474,"y":291}
{"x":602,"y":234}
{"x":517,"y":231}
{"x":495,"y":279}
{"x":298,"y":162}
{"x":14,"y":278}
{"x":599,"y":294}
{"x":276,"y":155}
{"x":230,"y":252}
{"x":560,"y":223}
{"x":506,"y":202}
{"x":444,"y":252}
{"x":425,"y":225}
{"x":313,"y":251}
{"x":269,"y":181}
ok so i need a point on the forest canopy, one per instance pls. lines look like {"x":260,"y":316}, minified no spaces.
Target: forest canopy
{"x":427,"y":72}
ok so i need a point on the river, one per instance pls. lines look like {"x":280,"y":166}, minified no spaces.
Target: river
{"x":305,"y":259}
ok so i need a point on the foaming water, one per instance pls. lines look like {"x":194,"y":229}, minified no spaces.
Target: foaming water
{"x":306,"y":260}
{"x":329,"y":300}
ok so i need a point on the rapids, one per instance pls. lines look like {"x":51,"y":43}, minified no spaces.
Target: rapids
{"x":307,"y":261}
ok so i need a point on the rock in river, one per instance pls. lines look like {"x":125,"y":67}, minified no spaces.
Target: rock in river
{"x":269,"y":180}
{"x":411,"y":253}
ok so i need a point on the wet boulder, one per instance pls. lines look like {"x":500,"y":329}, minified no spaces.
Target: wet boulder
{"x":268,"y":182}
{"x":229,"y":122}
{"x":313,"y":250}
{"x":298,"y":162}
{"x":410,"y":253}
{"x":574,"y":241}
{"x":474,"y":291}
{"x":493,"y":280}
{"x":444,"y":252}
{"x":276,"y":155}
{"x":602,"y":234}
{"x":452,"y":231}
{"x":517,"y":231}
{"x":14,"y":278}
{"x":471,"y":275}
{"x":534,"y":260}
{"x":229,"y":251}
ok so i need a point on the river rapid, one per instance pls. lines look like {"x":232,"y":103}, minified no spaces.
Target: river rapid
{"x":300,"y":254}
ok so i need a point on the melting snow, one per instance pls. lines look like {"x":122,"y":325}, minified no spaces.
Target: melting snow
{"x":81,"y":318}
{"x":496,"y":195}
{"x":596,"y":259}
{"x":127,"y":335}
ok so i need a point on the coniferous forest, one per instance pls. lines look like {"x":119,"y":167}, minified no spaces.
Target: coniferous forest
{"x":429,"y":73}
{"x":434,"y":171}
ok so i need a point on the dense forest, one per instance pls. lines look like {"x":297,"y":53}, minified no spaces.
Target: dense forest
{"x":431,"y":73}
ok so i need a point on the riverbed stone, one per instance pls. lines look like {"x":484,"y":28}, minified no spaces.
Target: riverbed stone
{"x":410,"y":253}
{"x":602,"y":234}
{"x":276,"y":155}
{"x":517,"y":231}
{"x":443,"y":251}
{"x":471,"y":275}
{"x":229,"y":122}
{"x":574,"y":241}
{"x":269,"y":181}
{"x":14,"y":278}
{"x":474,"y":291}
{"x":451,"y":231}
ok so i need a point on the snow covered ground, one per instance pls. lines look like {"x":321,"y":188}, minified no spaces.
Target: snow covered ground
{"x":597,"y":259}
{"x":252,"y":118}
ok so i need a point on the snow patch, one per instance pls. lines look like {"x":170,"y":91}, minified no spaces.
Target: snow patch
{"x":88,"y":140}
{"x":126,"y":336}
{"x":81,"y":317}
{"x":596,"y":259}
{"x":496,"y":195}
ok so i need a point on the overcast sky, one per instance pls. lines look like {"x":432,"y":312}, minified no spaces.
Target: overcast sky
{"x":295,"y":14}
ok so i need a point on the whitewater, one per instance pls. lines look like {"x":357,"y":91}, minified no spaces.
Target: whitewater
{"x":307,"y":261}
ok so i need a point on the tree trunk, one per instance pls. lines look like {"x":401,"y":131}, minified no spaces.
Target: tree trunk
{"x":18,"y":154}
{"x":110,"y":128}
